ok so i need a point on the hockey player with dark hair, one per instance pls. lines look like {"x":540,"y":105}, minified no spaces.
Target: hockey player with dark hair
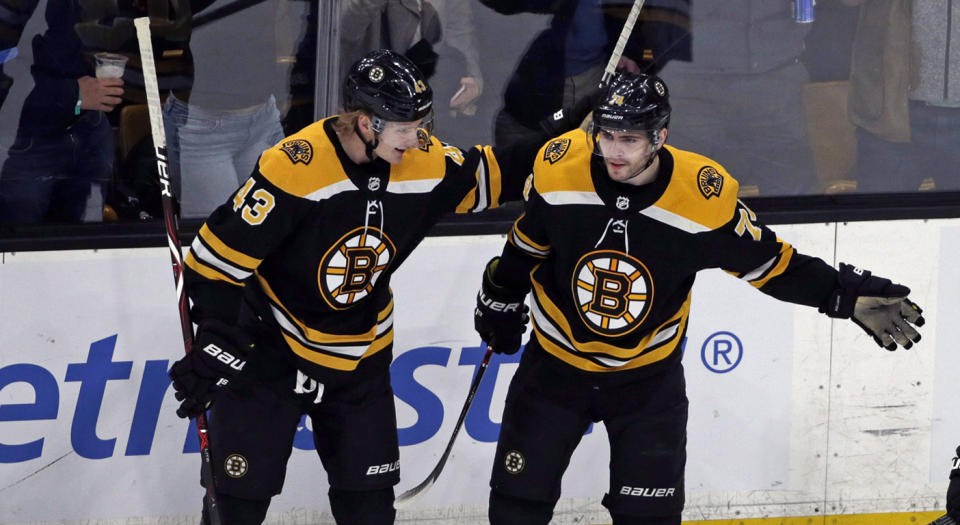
{"x":290,"y":286}
{"x":615,"y":228}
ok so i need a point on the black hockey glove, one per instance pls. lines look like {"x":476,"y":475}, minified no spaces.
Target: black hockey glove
{"x":569,"y":118}
{"x":500,"y":317}
{"x":877,"y":305}
{"x":218,"y":354}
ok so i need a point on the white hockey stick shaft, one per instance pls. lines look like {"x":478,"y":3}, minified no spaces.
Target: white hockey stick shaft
{"x":622,"y":41}
{"x":408,"y":497}
{"x":173,"y":240}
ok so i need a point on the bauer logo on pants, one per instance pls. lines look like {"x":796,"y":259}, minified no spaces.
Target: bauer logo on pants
{"x":514,"y":462}
{"x":235,"y":466}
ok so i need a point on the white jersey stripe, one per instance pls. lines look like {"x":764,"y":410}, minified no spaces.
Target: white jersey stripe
{"x":761,"y":270}
{"x":526,"y":247}
{"x":672,"y":219}
{"x":354,"y":351}
{"x":329,"y":191}
{"x":572,"y":197}
{"x":207,"y":257}
{"x":413,"y":186}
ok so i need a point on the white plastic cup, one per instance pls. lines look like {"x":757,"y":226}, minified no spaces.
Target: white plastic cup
{"x":110,"y":65}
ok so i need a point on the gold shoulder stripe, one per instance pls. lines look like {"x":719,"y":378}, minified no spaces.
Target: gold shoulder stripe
{"x":419,"y":164}
{"x":695,"y":181}
{"x":573,"y":174}
{"x":303,"y":163}
{"x":240,"y":259}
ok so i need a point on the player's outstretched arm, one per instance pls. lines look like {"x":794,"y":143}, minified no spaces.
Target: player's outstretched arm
{"x":877,"y":305}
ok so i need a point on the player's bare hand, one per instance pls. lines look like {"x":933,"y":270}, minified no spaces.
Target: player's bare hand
{"x":101,"y":94}
{"x":470,"y":89}
{"x":628,"y":64}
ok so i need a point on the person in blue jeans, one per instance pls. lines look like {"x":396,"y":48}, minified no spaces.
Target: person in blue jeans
{"x":232,"y":115}
{"x":64,"y":146}
{"x":212,"y":151}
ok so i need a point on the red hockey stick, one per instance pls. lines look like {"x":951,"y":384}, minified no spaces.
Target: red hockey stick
{"x":173,"y":239}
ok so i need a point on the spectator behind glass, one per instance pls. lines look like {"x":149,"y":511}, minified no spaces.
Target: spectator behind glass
{"x":64,"y":145}
{"x":566,"y":61}
{"x":231,"y":116}
{"x":740,"y":100}
{"x":905,"y":94}
{"x":14,"y":15}
{"x":437,"y":35}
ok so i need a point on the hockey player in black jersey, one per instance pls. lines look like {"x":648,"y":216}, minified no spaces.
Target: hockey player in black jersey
{"x":289,"y":280}
{"x":952,"y":517}
{"x":616,"y":226}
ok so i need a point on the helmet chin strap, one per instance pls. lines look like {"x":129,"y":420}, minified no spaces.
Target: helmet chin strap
{"x":650,"y":159}
{"x":368,"y":146}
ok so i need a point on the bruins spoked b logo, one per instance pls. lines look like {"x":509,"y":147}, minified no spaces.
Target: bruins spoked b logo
{"x":613,"y":292}
{"x":352,"y":265}
{"x":235,"y":466}
{"x":514,"y":462}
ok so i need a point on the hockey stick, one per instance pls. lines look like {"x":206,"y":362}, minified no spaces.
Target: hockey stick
{"x":173,"y":240}
{"x":622,"y":40}
{"x":411,"y":495}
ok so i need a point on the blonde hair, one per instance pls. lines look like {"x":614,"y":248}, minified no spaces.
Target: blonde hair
{"x":347,"y":121}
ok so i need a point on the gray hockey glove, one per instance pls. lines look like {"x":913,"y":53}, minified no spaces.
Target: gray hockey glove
{"x":218,"y":354}
{"x":877,"y":305}
{"x":501,"y":316}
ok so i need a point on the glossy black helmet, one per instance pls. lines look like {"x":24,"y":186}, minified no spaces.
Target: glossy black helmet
{"x":388,"y":85}
{"x":633,"y":101}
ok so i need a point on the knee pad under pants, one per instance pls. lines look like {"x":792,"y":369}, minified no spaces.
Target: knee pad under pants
{"x":508,"y":510}
{"x":367,"y":507}
{"x":237,"y":511}
{"x":622,"y":519}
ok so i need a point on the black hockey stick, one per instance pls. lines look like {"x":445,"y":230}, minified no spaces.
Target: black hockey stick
{"x":173,"y":240}
{"x":411,"y":495}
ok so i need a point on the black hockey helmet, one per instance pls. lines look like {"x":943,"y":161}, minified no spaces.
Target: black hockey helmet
{"x":388,"y":85}
{"x":631,"y":101}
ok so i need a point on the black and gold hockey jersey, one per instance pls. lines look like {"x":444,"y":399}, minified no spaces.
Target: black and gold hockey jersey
{"x":318,"y":237}
{"x":611,"y":265}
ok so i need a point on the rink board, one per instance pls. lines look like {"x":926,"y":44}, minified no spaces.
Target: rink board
{"x":791,"y":414}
